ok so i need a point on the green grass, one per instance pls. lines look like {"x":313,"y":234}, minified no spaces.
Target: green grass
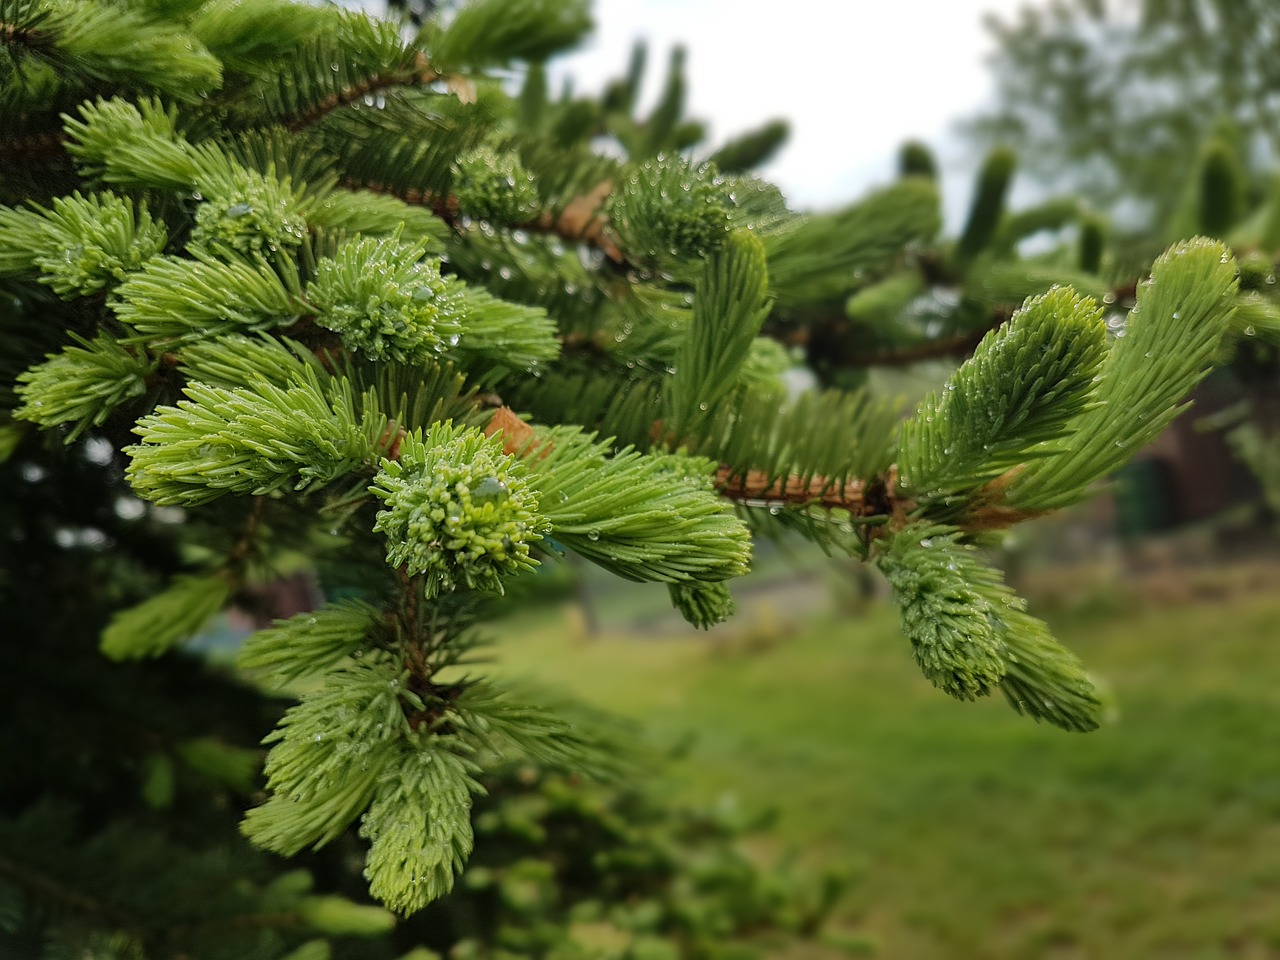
{"x":976,"y":833}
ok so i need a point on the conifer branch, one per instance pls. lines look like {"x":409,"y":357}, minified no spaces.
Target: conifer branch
{"x":862,"y":499}
{"x":325,"y":362}
{"x":580,"y":222}
{"x":760,"y":487}
{"x":422,"y":74}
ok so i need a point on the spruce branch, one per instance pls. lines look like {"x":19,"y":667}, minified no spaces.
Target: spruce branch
{"x":88,"y":42}
{"x":355,"y":58}
{"x":495,"y":186}
{"x":241,"y":361}
{"x":494,"y":32}
{"x":535,"y":725}
{"x":457,"y":510}
{"x":330,"y":752}
{"x":946,"y":600}
{"x":166,"y":619}
{"x":386,"y":300}
{"x":253,"y":36}
{"x":1013,"y":400}
{"x":309,"y":644}
{"x":20,"y":25}
{"x":970,"y":633}
{"x":419,"y":826}
{"x":767,"y":438}
{"x":186,"y":299}
{"x":117,"y":141}
{"x":729,"y":307}
{"x":345,"y":213}
{"x":818,"y":259}
{"x":83,"y":385}
{"x":580,"y":221}
{"x":987,"y":207}
{"x":703,"y":605}
{"x":1167,"y":347}
{"x":255,"y":440}
{"x":668,"y":211}
{"x":758,"y":487}
{"x":419,"y":72}
{"x":752,"y":149}
{"x":508,"y":334}
{"x":645,"y":517}
{"x":299,"y":199}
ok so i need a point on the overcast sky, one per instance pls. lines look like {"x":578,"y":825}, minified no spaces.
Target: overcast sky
{"x":855,"y":78}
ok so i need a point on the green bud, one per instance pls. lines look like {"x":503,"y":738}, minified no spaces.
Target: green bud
{"x":494,"y":185}
{"x":458,"y":510}
{"x":95,"y":242}
{"x":702,"y":604}
{"x":944,"y":596}
{"x":667,"y":208}
{"x":259,"y":215}
{"x":386,"y":300}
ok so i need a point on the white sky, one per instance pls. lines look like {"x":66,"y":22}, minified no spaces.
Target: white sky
{"x":854,"y":78}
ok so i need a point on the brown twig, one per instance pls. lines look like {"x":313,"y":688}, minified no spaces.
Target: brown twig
{"x":756,"y":485}
{"x":827,"y":343}
{"x":827,"y":339}
{"x":958,"y":345}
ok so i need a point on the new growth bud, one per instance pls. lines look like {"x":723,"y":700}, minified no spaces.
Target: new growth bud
{"x":258,"y":215}
{"x":458,"y":510}
{"x":494,"y":185}
{"x":386,"y":301}
{"x":667,"y":208}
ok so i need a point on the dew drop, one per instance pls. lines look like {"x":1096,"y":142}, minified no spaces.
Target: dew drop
{"x":489,"y":490}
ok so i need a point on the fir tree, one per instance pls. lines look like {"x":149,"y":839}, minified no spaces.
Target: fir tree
{"x":286,"y":289}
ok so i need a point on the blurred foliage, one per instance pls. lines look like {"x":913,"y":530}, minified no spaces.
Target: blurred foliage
{"x":1113,"y":99}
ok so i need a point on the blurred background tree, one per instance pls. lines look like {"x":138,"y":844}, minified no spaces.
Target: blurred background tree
{"x":1113,"y":100}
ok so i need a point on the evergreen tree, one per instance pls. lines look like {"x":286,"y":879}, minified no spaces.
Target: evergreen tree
{"x":285,"y":289}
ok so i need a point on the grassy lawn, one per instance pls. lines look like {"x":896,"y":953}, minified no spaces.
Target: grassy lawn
{"x":975,"y":833}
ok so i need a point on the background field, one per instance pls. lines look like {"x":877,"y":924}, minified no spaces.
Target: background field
{"x":972,"y":832}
